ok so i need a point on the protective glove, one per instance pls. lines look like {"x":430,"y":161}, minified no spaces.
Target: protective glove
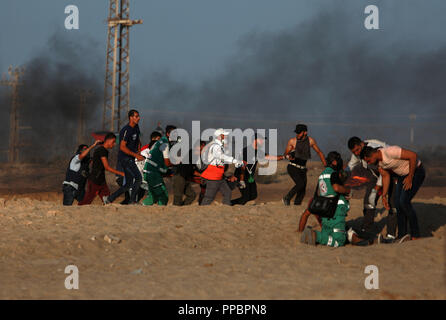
{"x":238,"y":163}
{"x":242,"y":184}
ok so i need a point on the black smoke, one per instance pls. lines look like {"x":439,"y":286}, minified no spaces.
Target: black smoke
{"x":50,"y":99}
{"x":329,"y":72}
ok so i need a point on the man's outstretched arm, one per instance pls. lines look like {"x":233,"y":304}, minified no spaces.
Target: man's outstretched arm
{"x":314,"y":145}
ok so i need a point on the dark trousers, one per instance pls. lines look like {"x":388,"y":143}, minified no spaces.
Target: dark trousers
{"x":120,"y":182}
{"x":299,"y":177}
{"x":182,"y":187}
{"x":403,"y":198}
{"x":202,"y":191}
{"x":133,"y":180}
{"x":70,"y":193}
{"x":249,"y":193}
{"x":392,"y":219}
{"x":214,"y":186}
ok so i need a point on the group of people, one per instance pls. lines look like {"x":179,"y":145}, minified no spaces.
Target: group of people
{"x":141,"y":169}
{"x":392,"y":172}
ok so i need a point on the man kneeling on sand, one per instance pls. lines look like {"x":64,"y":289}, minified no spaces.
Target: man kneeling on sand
{"x":333,"y":233}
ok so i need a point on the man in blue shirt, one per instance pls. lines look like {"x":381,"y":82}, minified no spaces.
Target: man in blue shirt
{"x":129,"y":147}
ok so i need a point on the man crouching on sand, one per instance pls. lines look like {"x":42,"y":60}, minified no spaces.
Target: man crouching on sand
{"x":333,"y":233}
{"x":97,"y":185}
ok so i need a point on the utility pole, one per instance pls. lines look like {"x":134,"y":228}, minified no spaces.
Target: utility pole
{"x":83,"y":94}
{"x":117,"y":82}
{"x":14,"y":125}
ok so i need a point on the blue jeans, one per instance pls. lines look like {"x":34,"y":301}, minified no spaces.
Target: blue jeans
{"x":403,"y":198}
{"x":133,"y":180}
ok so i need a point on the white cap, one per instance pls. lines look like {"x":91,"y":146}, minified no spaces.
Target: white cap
{"x":221,"y":131}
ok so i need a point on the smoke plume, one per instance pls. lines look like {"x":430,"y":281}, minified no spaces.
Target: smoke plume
{"x":328,"y":72}
{"x":50,"y":99}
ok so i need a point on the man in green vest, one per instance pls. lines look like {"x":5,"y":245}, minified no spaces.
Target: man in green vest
{"x":330,"y":185}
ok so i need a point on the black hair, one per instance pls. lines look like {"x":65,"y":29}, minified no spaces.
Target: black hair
{"x":169,"y":128}
{"x":301,"y":128}
{"x":109,"y":135}
{"x":132,"y":113}
{"x":81,"y":146}
{"x":353,"y":141}
{"x":367,"y":152}
{"x":155,"y":134}
{"x":331,"y":156}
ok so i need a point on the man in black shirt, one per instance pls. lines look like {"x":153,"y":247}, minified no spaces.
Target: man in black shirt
{"x":298,"y":151}
{"x":129,"y":148}
{"x":97,"y":185}
{"x":245,"y":174}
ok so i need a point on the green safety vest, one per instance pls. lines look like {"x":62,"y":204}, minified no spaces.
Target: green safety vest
{"x":325,"y":187}
{"x":155,"y":162}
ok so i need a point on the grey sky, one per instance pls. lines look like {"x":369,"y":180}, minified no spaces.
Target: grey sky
{"x":195,"y":37}
{"x":204,"y":46}
{"x":192,"y":37}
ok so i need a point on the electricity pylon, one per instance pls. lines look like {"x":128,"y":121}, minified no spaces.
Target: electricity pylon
{"x":117,"y":82}
{"x":14,"y":82}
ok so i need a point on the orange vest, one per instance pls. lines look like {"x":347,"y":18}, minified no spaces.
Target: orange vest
{"x":213,"y":172}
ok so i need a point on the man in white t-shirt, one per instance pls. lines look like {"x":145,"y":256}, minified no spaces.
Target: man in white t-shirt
{"x":410,"y":174}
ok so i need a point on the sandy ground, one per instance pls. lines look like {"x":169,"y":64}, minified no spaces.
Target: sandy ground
{"x":214,"y":252}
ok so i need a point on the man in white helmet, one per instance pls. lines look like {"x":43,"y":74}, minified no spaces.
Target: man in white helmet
{"x":215,"y":159}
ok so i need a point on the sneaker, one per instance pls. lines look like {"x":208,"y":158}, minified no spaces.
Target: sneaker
{"x":285,"y":201}
{"x":387,"y":239}
{"x":105,"y":200}
{"x":308,"y":236}
{"x":389,"y":236}
{"x":404,"y":238}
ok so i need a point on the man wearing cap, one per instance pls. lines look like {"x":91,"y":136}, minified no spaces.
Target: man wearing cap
{"x":245,"y":174}
{"x":298,"y":152}
{"x":213,"y":175}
